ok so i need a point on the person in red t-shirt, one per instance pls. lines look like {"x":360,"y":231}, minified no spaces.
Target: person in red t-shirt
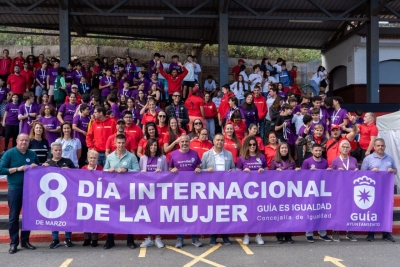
{"x":293,"y":72}
{"x":201,"y":144}
{"x":270,"y":149}
{"x":174,"y":79}
{"x":150,"y":131}
{"x":194,"y":104}
{"x":368,"y":134}
{"x":239,"y":125}
{"x":252,"y":130}
{"x":332,"y":145}
{"x":5,"y":65}
{"x":162,"y":127}
{"x":236,"y":70}
{"x":232,"y":143}
{"x":224,"y":105}
{"x":210,"y":113}
{"x":172,"y":138}
{"x":261,"y":103}
{"x":39,"y":63}
{"x":132,"y":130}
{"x":17,"y":83}
{"x":17,"y":61}
{"x":29,"y":76}
{"x":149,"y":112}
{"x":111,"y":145}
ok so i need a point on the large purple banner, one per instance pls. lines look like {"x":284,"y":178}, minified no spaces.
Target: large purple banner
{"x":205,"y":203}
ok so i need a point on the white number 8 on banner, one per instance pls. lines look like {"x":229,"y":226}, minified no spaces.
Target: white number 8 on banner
{"x":49,"y":193}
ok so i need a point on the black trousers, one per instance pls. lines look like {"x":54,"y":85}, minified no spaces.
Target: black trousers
{"x":82,"y":159}
{"x":284,"y":235}
{"x":15,"y":204}
{"x":129,"y":238}
{"x":11,"y":131}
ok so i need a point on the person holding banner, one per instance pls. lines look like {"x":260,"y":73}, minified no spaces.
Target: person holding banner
{"x":121,"y":161}
{"x":283,"y":161}
{"x":342,"y":163}
{"x":92,"y":157}
{"x":379,"y":161}
{"x":218,"y":159}
{"x":13,"y":164}
{"x":152,"y":160}
{"x":60,"y":162}
{"x":314,"y":163}
{"x":251,"y":159}
{"x":185,"y":159}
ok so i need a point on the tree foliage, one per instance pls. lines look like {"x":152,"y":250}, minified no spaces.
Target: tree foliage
{"x":254,"y":52}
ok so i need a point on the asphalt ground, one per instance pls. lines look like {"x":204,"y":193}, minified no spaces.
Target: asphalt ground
{"x":301,"y":253}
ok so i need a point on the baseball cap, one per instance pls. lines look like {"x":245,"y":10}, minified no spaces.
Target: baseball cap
{"x":335,"y":126}
{"x":120,"y":120}
{"x":74,"y":86}
{"x":19,"y":51}
{"x":241,"y":60}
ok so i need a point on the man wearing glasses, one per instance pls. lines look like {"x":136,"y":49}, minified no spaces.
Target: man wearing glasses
{"x":5,"y":65}
{"x":178,"y":111}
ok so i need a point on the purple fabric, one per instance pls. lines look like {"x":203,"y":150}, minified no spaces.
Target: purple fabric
{"x":52,"y":73}
{"x":130,"y":70}
{"x":3,"y":93}
{"x":283,"y":165}
{"x":121,"y":84}
{"x":107,"y":80}
{"x":114,"y":69}
{"x":184,"y":161}
{"x":78,"y":75}
{"x":41,"y":76}
{"x":127,"y":93}
{"x":151,"y":65}
{"x":12,"y":114}
{"x":70,"y":74}
{"x":24,"y":110}
{"x":51,"y":123}
{"x":42,"y":105}
{"x":253,"y":163}
{"x":301,"y":130}
{"x":338,"y":116}
{"x":68,"y":111}
{"x":251,"y":116}
{"x":342,"y":163}
{"x":311,"y":132}
{"x":115,"y":110}
{"x":167,"y":203}
{"x":151,"y":164}
{"x":174,"y":66}
{"x":82,"y":123}
{"x":282,"y":94}
{"x":312,"y":163}
{"x":133,"y":112}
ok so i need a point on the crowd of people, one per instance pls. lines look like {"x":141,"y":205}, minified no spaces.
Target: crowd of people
{"x":122,"y":117}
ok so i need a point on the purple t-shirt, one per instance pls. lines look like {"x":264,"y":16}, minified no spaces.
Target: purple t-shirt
{"x":174,"y":66}
{"x":311,"y":163}
{"x":52,"y":73}
{"x":130,"y":69}
{"x":127,"y":93}
{"x":68,"y":111}
{"x":52,"y":123}
{"x":77,"y":76}
{"x":253,"y":163}
{"x":24,"y":110}
{"x":146,"y":85}
{"x":121,"y":84}
{"x":338,"y":116}
{"x":282,"y":94}
{"x":42,"y":105}
{"x":184,"y":161}
{"x":114,"y":68}
{"x":12,"y":114}
{"x":313,"y":123}
{"x":69,"y":74}
{"x":151,"y":65}
{"x":301,"y":130}
{"x":151,"y":164}
{"x":41,"y":76}
{"x":347,"y":164}
{"x":3,"y":93}
{"x":82,"y":123}
{"x":107,"y":80}
{"x":115,"y":110}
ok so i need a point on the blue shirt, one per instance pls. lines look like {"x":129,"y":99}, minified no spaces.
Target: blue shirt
{"x":128,"y":161}
{"x":374,"y":161}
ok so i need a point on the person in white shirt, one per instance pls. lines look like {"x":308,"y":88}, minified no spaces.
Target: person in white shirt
{"x":273,"y":93}
{"x":209,"y":85}
{"x":197,"y":70}
{"x":255,"y":77}
{"x":188,"y":81}
{"x":323,"y":76}
{"x":278,"y":68}
{"x":243,"y":73}
{"x":267,"y":80}
{"x":313,"y":83}
{"x":238,"y":88}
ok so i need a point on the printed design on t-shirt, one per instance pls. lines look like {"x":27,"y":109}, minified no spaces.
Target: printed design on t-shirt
{"x":68,"y":148}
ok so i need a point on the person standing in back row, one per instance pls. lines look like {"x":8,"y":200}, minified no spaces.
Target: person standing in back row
{"x":174,"y":79}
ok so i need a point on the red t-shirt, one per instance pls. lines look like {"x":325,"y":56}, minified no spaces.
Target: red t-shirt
{"x":236,"y":71}
{"x":166,"y":141}
{"x":193,"y":104}
{"x":240,"y":130}
{"x":110,"y":144}
{"x":17,"y":84}
{"x":136,"y":133}
{"x":200,"y":146}
{"x":28,"y":77}
{"x":366,"y":131}
{"x":333,"y":151}
{"x":143,"y":144}
{"x":269,"y":153}
{"x":148,"y":117}
{"x":162,"y":131}
{"x":98,"y":167}
{"x":231,"y":146}
{"x":210,"y":110}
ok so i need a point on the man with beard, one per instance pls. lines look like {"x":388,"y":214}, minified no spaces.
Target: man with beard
{"x":332,"y":145}
{"x":17,"y":83}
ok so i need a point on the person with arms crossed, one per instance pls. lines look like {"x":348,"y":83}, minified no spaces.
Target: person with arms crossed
{"x":121,"y":161}
{"x":13,"y":164}
{"x":377,"y":162}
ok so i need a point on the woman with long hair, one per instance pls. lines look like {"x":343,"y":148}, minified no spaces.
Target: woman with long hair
{"x":210,"y":113}
{"x":50,"y":122}
{"x":238,"y":88}
{"x":162,"y":127}
{"x":38,"y":142}
{"x":238,"y":124}
{"x":122,"y":105}
{"x":172,"y":138}
{"x":252,"y":130}
{"x":71,"y":147}
{"x":80,"y":125}
{"x":251,"y":159}
{"x":150,"y":131}
{"x":232,"y":143}
{"x":148,"y":112}
{"x":281,"y":92}
{"x":267,"y":80}
{"x":202,"y":143}
{"x":275,"y":109}
{"x":154,"y":92}
{"x":233,"y":106}
{"x":27,"y":113}
{"x":249,"y":110}
{"x":130,"y":106}
{"x":270,"y":148}
{"x":195,"y":107}
{"x":197,"y":125}
{"x":10,"y":122}
{"x":283,"y":161}
{"x":67,"y":111}
{"x":152,"y":160}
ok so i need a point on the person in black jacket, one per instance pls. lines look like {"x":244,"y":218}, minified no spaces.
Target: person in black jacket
{"x":178,"y":111}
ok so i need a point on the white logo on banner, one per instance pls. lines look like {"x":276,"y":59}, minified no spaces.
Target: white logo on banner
{"x":364,"y":192}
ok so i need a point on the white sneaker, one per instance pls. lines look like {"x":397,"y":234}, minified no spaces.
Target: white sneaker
{"x":259,"y":239}
{"x":246,"y":240}
{"x":147,"y":243}
{"x":159,"y":243}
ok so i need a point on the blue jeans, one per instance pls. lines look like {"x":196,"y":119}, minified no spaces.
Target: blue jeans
{"x":314,"y":87}
{"x":102,"y":159}
{"x":54,"y":234}
{"x":210,"y":125}
{"x":320,"y":232}
{"x":15,"y":204}
{"x":182,"y":236}
{"x":261,"y":130}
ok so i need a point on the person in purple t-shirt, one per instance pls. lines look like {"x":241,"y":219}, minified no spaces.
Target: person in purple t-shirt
{"x":41,"y":83}
{"x":10,"y":122}
{"x":316,"y":119}
{"x":130,"y":68}
{"x":51,"y":77}
{"x":78,"y":73}
{"x":314,"y":163}
{"x":107,"y":83}
{"x":125,"y":90}
{"x":113,"y":101}
{"x":70,"y":71}
{"x":185,"y":159}
{"x":67,"y":111}
{"x":251,"y":158}
{"x":80,"y":125}
{"x":5,"y":97}
{"x":27,"y":113}
{"x":50,"y":122}
{"x":153,"y":64}
{"x":323,"y":115}
{"x":339,"y":115}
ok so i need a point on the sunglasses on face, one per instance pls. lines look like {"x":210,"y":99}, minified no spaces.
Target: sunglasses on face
{"x":252,"y":144}
{"x":176,"y":96}
{"x":198,"y":123}
{"x":162,"y":116}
